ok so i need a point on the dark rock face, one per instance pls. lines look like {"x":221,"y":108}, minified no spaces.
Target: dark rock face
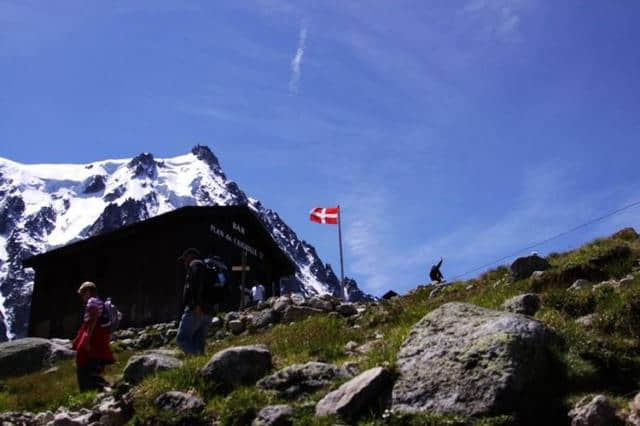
{"x":523,"y":267}
{"x":114,"y":216}
{"x":115,"y":194}
{"x":524,"y":304}
{"x":356,"y":395}
{"x":472,"y":361}
{"x":204,"y":154}
{"x":140,"y":366}
{"x":296,"y":379}
{"x":354,"y":294}
{"x":144,"y":166}
{"x":10,"y":211}
{"x":42,"y":223}
{"x":238,"y":365}
{"x":94,"y":184}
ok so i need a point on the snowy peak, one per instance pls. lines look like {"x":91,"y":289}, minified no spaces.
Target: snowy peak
{"x":47,"y":205}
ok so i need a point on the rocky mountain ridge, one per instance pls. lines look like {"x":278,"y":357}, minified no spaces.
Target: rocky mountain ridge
{"x":49,"y":205}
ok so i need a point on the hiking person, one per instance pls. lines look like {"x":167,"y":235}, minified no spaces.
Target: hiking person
{"x":257,"y":292}
{"x":435,"y":273}
{"x":194,"y":324}
{"x":92,"y":341}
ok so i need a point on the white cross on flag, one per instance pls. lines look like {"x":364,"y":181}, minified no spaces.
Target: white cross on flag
{"x":325,"y":215}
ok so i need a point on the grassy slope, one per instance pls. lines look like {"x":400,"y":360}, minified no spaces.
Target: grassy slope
{"x":604,"y":359}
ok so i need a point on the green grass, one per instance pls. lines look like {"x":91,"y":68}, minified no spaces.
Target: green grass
{"x":602,"y":359}
{"x":40,"y":392}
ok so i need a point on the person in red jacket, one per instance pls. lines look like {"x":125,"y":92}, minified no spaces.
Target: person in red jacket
{"x":92,"y":341}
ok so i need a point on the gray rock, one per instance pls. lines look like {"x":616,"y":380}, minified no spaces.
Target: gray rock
{"x":356,"y":395}
{"x":295,"y":313}
{"x":236,"y":326}
{"x":238,"y":365}
{"x":469,"y":360}
{"x":595,"y":411}
{"x":436,"y":290}
{"x":525,"y":304}
{"x":28,"y":355}
{"x":580,"y":284}
{"x":65,"y":419}
{"x":634,"y":408}
{"x":274,"y":415}
{"x":179,"y":402}
{"x":230,"y":316}
{"x":281,"y":304}
{"x":296,"y":379}
{"x":350,"y":346}
{"x":263,"y":318}
{"x":216,"y":323}
{"x":626,"y":280}
{"x":297,"y":299}
{"x":319,"y":303}
{"x":608,"y":283}
{"x":523,"y":267}
{"x":112,"y":412}
{"x":587,"y":321}
{"x":346,"y":309}
{"x":141,"y":366}
{"x":11,"y":418}
{"x":351,"y":368}
{"x":538,"y":276}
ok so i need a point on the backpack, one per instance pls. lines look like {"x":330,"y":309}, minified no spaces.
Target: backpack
{"x":111,"y":316}
{"x":217,"y":278}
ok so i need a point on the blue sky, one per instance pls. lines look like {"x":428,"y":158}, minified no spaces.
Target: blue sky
{"x":462,"y":129}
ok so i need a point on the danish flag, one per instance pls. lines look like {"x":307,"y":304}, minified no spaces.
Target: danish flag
{"x":325,"y":215}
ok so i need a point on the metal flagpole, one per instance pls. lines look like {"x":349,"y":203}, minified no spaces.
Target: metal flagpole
{"x":341,"y":261}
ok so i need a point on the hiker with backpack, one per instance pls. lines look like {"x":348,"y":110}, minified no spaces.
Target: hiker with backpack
{"x":92,"y":341}
{"x":199,"y":298}
{"x":435,"y":273}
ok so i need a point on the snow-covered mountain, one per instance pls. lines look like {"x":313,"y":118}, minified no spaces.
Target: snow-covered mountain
{"x":47,"y":205}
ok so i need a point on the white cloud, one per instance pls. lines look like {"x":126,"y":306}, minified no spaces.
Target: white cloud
{"x":498,"y":19}
{"x":296,"y":62}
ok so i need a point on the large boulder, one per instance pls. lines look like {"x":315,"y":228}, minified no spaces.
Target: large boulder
{"x":140,"y":366}
{"x":320,"y":303}
{"x":24,"y":356}
{"x":524,"y":304}
{"x":357,"y":394}
{"x":264,"y":318}
{"x":294,"y":313}
{"x":346,"y":309}
{"x":596,"y":411}
{"x":523,"y":267}
{"x":295,"y":379}
{"x":240,"y":365}
{"x":469,"y":360}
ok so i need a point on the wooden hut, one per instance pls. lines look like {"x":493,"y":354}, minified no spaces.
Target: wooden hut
{"x":137,"y":267}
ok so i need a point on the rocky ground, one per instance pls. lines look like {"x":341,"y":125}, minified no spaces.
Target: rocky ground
{"x":547,"y":341}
